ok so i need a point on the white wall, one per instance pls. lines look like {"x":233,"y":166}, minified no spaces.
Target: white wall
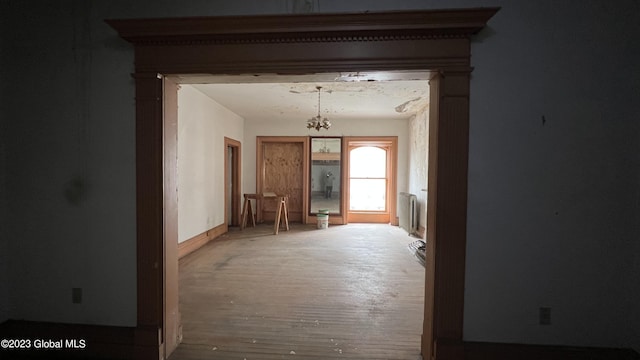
{"x":4,"y":235}
{"x":202,"y":127}
{"x":4,"y":207}
{"x":69,"y":167}
{"x":257,"y":127}
{"x":418,"y":161}
{"x":553,"y":208}
{"x":553,"y":175}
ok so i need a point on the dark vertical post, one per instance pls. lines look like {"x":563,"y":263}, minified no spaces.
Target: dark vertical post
{"x":149,"y":221}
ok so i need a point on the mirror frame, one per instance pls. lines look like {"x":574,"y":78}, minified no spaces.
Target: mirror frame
{"x":313,"y":163}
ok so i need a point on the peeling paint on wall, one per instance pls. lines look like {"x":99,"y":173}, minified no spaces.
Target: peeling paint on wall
{"x":418,"y":157}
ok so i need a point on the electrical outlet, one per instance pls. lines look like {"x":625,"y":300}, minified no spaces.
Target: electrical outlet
{"x":76,"y":295}
{"x":545,"y":316}
{"x":303,"y":6}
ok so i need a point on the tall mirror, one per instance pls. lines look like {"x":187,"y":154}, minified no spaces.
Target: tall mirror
{"x":326,"y":186}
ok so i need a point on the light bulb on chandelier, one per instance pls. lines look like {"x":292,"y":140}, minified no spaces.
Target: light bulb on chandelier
{"x":317,"y":122}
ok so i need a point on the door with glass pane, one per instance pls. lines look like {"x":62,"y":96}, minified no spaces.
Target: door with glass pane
{"x":371,"y":179}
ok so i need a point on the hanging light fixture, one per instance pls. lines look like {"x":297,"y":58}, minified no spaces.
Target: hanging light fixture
{"x":317,"y":122}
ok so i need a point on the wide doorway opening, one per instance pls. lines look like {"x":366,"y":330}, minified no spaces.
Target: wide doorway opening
{"x":437,"y":40}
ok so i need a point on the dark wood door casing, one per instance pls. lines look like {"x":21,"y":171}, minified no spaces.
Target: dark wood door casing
{"x":172,"y":328}
{"x":435,"y":40}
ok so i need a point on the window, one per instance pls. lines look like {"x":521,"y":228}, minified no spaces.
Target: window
{"x":367,"y":179}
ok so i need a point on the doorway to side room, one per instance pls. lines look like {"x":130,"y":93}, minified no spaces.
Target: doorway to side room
{"x":232,"y":178}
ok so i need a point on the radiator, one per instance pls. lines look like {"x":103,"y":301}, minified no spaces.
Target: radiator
{"x":408,"y":213}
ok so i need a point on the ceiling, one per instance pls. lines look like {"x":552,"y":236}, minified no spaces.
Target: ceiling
{"x":269,"y":97}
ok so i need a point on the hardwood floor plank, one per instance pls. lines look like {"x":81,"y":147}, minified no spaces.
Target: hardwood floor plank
{"x":346,"y":292}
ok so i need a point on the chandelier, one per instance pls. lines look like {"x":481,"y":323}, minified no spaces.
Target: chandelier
{"x":317,"y":122}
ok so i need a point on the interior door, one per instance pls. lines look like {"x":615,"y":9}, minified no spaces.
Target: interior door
{"x":283,"y":173}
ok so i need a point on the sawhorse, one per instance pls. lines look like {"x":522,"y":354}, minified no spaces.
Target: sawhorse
{"x":282,"y":214}
{"x":247,"y":210}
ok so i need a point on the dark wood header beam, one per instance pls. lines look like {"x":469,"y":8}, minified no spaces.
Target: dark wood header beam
{"x":305,"y":28}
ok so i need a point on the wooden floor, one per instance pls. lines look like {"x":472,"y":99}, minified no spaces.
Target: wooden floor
{"x":346,"y":292}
